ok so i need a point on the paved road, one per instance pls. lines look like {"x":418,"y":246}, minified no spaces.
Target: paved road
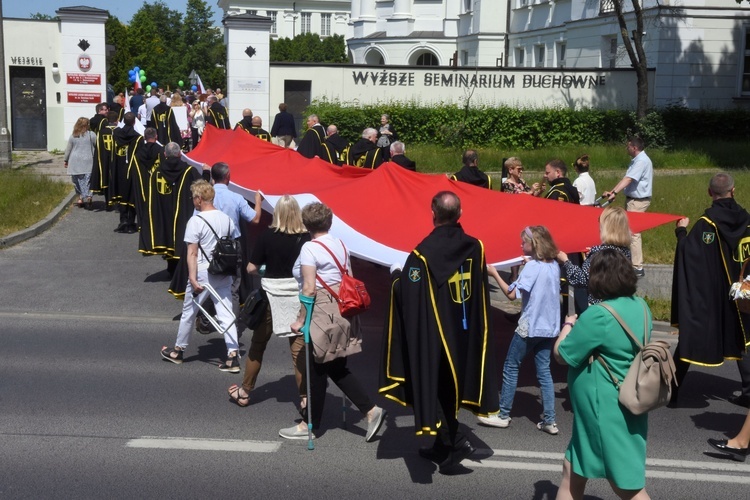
{"x":89,"y":408}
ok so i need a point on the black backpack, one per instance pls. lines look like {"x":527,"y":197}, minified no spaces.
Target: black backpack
{"x":227,"y":254}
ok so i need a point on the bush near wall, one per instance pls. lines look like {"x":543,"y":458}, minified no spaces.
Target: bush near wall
{"x":523,"y":128}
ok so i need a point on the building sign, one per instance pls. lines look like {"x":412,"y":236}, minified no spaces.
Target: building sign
{"x":85,"y":97}
{"x":476,"y":79}
{"x":84,"y":79}
{"x":251,"y":85}
{"x":26,"y":61}
{"x":84,"y":62}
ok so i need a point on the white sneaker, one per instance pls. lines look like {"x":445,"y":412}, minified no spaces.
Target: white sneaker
{"x":548,"y":428}
{"x":494,"y":421}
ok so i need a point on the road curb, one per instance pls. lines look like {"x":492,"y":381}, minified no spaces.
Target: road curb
{"x":39,"y":227}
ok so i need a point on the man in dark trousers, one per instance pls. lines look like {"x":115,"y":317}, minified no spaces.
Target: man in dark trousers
{"x":146,"y":159}
{"x":310,"y":144}
{"x":438,"y":349}
{"x":284,"y":128}
{"x":104,"y":158}
{"x":399,"y":158}
{"x":708,"y":260}
{"x":561,"y":189}
{"x":121,"y":185}
{"x":169,"y":208}
{"x":216,"y":114}
{"x":470,"y":172}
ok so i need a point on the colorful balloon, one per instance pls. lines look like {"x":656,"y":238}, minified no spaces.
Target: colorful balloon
{"x":194,"y":88}
{"x":142,"y":72}
{"x":136,"y":69}
{"x":143,"y":78}
{"x":148,"y":88}
{"x":180,"y":83}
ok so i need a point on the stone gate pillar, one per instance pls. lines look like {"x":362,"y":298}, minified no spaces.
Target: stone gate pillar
{"x":248,"y":43}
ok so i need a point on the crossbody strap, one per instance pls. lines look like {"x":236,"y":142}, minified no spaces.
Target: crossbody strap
{"x":215,"y":234}
{"x":630,"y":333}
{"x":343,"y":270}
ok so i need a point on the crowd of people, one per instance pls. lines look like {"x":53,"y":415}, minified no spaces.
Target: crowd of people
{"x":438,"y":346}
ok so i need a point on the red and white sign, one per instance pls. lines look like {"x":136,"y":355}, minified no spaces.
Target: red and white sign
{"x":84,"y":62}
{"x":85,"y":97}
{"x":84,"y":79}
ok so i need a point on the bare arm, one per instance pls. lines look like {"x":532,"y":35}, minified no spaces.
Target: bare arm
{"x":192,"y":263}
{"x":308,"y":289}
{"x":570,"y":321}
{"x":501,"y":283}
{"x":624,"y":182}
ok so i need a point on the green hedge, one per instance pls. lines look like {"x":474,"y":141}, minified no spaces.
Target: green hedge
{"x":518,"y":128}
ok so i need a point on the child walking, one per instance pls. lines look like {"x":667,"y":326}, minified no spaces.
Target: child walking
{"x":539,"y":287}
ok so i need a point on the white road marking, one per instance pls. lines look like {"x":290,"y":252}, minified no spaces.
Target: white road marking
{"x":175,"y":443}
{"x":57,"y":316}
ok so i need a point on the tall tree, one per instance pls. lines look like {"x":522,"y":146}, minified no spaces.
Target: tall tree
{"x":634,"y":48}
{"x":155,"y":37}
{"x":116,"y":35}
{"x":205,"y":50}
{"x":309,"y":48}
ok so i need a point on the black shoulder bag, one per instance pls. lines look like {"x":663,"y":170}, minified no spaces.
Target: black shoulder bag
{"x":227,"y":254}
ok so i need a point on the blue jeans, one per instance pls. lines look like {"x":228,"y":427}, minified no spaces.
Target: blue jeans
{"x":519,"y":348}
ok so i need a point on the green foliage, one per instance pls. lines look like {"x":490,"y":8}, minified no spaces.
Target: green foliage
{"x":43,"y":17}
{"x":309,"y":47}
{"x":167,"y":45}
{"x":651,"y":129}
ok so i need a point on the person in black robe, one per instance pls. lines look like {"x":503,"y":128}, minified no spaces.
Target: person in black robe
{"x":216,"y":114}
{"x":104,"y":158}
{"x":170,"y":206}
{"x":258,"y":131}
{"x":470,"y":172}
{"x":165,"y":123}
{"x":117,"y":107}
{"x":707,"y":261}
{"x":561,"y":189}
{"x":310,"y":144}
{"x":399,"y":158}
{"x":438,"y":349}
{"x":121,"y":185}
{"x":99,"y":120}
{"x":365,"y":153}
{"x":247,"y":120}
{"x":146,"y":158}
{"x":338,"y":145}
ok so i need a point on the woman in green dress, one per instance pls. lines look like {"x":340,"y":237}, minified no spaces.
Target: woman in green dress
{"x":607,"y":440}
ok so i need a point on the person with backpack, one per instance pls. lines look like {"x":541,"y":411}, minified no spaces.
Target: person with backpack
{"x":608,"y":441}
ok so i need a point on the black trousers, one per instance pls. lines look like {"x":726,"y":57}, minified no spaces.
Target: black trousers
{"x":338,"y":372}
{"x":449,"y":437}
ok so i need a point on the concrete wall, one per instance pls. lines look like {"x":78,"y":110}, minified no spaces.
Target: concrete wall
{"x":490,"y":86}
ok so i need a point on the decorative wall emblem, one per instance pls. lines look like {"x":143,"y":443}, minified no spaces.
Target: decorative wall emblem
{"x":83,"y":44}
{"x":250,"y":51}
{"x":84,"y":62}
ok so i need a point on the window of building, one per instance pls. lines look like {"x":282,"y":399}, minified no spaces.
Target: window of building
{"x":561,"y":54}
{"x":523,"y":3}
{"x":520,"y":56}
{"x":606,"y":7}
{"x":306,"y":18}
{"x":464,"y":58}
{"x":745,"y":89}
{"x":325,"y":24}
{"x":272,"y":15}
{"x":540,"y":55}
{"x":252,"y":12}
{"x":613,"y":52}
{"x":427,"y":59}
{"x":468,"y":5}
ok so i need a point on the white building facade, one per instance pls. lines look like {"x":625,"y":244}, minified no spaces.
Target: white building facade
{"x":292,"y":18}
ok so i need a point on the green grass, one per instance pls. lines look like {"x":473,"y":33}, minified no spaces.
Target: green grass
{"x":26,"y":198}
{"x":696,"y":155}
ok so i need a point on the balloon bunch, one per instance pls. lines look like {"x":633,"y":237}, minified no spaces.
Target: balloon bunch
{"x":137,"y":74}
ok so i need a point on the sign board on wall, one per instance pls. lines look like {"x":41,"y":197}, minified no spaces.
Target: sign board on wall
{"x":85,"y":97}
{"x":84,"y":79}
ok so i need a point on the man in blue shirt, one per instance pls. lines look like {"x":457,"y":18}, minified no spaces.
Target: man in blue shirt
{"x":637,"y":185}
{"x":236,"y":207}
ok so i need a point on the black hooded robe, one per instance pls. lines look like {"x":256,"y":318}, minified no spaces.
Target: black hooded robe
{"x":443,"y":284}
{"x":310,"y":144}
{"x":473,"y":176}
{"x":707,"y":261}
{"x":364,"y":153}
{"x":146,"y":158}
{"x":217,"y":116}
{"x":121,"y":191}
{"x":166,"y":126}
{"x":104,"y":157}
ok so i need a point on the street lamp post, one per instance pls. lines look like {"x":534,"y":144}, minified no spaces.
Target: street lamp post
{"x":5,"y":142}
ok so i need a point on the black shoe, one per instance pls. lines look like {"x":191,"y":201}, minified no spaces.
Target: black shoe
{"x":639,"y":273}
{"x":131,"y":228}
{"x":231,"y":365}
{"x":741,"y":400}
{"x":121,"y":228}
{"x":737,"y":454}
{"x":455,"y":457}
{"x":437,"y":455}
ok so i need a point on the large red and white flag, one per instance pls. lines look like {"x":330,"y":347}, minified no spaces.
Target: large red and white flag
{"x":383,"y":214}
{"x":201,"y":88}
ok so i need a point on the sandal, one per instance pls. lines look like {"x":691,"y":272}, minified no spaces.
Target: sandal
{"x":89,"y":203}
{"x":79,"y":203}
{"x":234,"y":395}
{"x":172,"y":354}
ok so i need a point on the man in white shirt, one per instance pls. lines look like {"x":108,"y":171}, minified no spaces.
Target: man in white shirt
{"x":637,"y":185}
{"x":584,"y":183}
